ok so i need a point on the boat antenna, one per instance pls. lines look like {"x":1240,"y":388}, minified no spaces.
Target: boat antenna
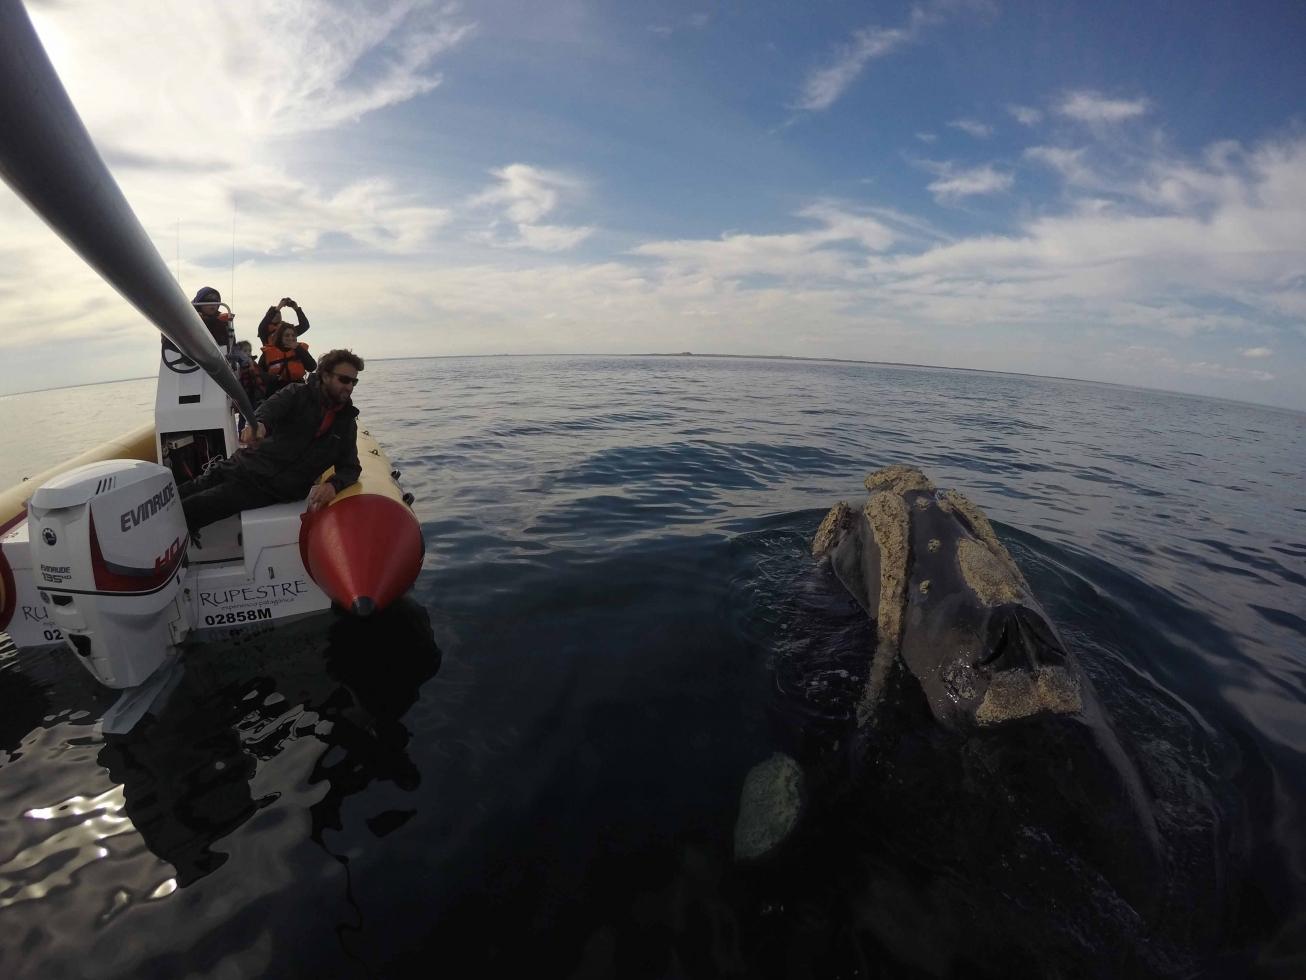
{"x":231,"y":302}
{"x":178,"y":272}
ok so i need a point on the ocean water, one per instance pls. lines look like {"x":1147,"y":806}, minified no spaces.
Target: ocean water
{"x":533,"y":766}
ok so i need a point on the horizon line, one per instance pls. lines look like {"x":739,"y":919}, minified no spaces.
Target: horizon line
{"x":755,"y":357}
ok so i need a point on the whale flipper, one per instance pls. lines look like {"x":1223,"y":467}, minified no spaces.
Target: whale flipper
{"x":770,"y":806}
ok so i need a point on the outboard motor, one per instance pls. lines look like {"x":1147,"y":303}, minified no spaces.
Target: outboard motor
{"x":108,"y":545}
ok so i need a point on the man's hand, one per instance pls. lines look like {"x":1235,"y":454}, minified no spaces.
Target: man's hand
{"x":320,"y":496}
{"x":287,"y":301}
{"x":250,"y":437}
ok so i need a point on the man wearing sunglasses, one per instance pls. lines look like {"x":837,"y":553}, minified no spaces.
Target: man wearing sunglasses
{"x":296,"y":434}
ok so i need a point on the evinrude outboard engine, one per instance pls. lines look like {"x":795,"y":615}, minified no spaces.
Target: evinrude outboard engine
{"x":108,"y":543}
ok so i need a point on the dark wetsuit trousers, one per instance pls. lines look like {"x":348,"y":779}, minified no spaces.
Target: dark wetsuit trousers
{"x":222,"y":490}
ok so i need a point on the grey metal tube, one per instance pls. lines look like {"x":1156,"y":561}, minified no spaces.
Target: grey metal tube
{"x":48,"y":158}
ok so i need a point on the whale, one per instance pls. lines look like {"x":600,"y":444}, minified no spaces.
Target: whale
{"x":950,"y":604}
{"x":975,"y":742}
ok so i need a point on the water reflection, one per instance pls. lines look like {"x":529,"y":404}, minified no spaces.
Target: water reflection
{"x":187,"y":773}
{"x":53,"y":862}
{"x":25,"y":704}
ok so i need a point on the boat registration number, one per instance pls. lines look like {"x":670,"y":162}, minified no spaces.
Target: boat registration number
{"x":240,"y":616}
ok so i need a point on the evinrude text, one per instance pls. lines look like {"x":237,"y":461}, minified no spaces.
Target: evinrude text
{"x":148,"y":508}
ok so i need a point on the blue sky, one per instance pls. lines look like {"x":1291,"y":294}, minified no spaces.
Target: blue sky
{"x":1114,"y":192}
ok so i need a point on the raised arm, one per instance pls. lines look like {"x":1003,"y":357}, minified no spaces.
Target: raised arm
{"x":264,"y":324}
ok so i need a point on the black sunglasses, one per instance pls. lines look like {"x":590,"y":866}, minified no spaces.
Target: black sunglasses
{"x":345,"y":379}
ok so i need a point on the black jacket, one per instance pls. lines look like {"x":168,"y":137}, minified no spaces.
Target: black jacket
{"x":264,"y":327}
{"x":293,"y":456}
{"x":219,"y":328}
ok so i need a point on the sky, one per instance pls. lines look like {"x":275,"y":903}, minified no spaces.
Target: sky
{"x":1106,"y":191}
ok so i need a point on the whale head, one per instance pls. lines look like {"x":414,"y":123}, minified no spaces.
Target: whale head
{"x":950,"y":606}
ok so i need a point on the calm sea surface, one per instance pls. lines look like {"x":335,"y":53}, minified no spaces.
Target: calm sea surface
{"x":533,"y":768}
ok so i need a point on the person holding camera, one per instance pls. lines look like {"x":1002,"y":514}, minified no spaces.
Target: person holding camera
{"x":285,"y":359}
{"x":271,"y":322}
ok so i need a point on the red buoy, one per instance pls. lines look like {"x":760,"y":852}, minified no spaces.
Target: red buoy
{"x":363,"y":551}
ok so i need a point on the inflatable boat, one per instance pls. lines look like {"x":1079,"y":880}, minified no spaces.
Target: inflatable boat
{"x":95,"y":555}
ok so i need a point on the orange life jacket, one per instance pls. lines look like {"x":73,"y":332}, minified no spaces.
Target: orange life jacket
{"x":285,"y":365}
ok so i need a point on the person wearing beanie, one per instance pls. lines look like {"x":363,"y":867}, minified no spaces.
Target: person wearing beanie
{"x":219,"y":324}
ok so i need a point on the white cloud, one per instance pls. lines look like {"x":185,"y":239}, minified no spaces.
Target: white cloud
{"x":1183,"y":186}
{"x":1025,"y":115}
{"x":523,"y":196}
{"x":1093,"y":107}
{"x":278,"y":214}
{"x":1125,"y":266}
{"x":1066,"y":162}
{"x":834,"y":249}
{"x":255,"y":82}
{"x":927,"y":137}
{"x":1113,"y":269}
{"x":551,"y":238}
{"x":1066,"y":293}
{"x":251,"y":72}
{"x":823,"y":86}
{"x":1258,"y":353}
{"x":526,"y":193}
{"x":909,"y":229}
{"x":953,"y":184}
{"x":973,"y":127}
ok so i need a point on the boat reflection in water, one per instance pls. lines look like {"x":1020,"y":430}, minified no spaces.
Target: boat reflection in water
{"x":25,"y":702}
{"x":187,"y":773}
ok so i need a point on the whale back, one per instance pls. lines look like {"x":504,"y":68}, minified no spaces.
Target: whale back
{"x":950,"y":604}
{"x":954,"y":613}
